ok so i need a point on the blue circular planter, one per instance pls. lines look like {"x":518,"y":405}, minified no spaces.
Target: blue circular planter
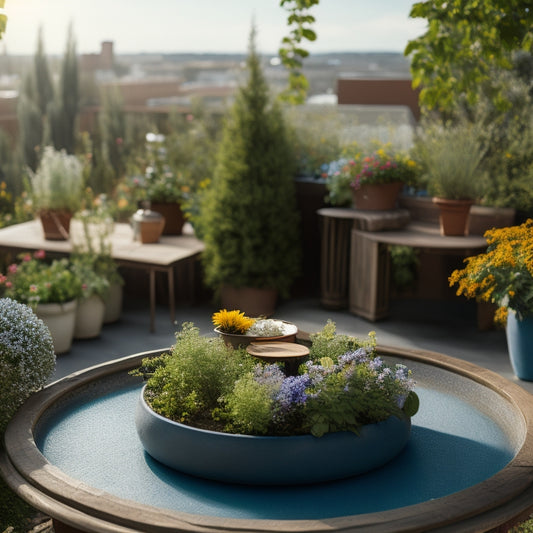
{"x":520,"y":345}
{"x":256,"y":460}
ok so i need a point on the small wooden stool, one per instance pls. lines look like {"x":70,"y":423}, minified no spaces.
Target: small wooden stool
{"x":289,"y":353}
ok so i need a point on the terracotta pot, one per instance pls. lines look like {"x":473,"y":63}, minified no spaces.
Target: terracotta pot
{"x":251,"y":301}
{"x":56,"y":224}
{"x":377,"y":197}
{"x":173,"y":215}
{"x":453,"y":216}
{"x":60,"y":320}
{"x":147,"y":225}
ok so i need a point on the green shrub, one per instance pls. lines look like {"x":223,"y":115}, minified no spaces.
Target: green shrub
{"x":187,"y":383}
{"x":27,"y":356}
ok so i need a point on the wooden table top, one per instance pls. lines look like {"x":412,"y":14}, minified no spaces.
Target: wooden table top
{"x":277,"y":351}
{"x":169,"y":250}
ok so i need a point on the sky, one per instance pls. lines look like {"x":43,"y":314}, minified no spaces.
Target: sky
{"x":204,"y":25}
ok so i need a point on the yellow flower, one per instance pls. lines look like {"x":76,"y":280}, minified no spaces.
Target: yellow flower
{"x":232,"y":321}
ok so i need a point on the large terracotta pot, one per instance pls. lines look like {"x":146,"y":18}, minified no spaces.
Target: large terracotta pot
{"x":60,"y":320}
{"x":251,"y":301}
{"x":453,"y":216}
{"x":377,"y":196}
{"x":173,"y":215}
{"x":56,"y":224}
{"x":519,"y":335}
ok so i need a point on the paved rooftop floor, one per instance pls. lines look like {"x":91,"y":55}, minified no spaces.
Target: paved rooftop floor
{"x":447,"y":327}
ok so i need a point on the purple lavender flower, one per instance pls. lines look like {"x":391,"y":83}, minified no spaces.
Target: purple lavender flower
{"x":358,"y":356}
{"x":293,"y":392}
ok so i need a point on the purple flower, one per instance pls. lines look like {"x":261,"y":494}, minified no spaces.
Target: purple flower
{"x":292,"y":392}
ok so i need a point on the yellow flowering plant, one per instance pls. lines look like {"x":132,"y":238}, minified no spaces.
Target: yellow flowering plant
{"x":503,"y":274}
{"x":232,"y":321}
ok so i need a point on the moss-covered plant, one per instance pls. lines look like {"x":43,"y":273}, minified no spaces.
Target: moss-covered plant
{"x":342,"y":386}
{"x":27,"y":356}
{"x":249,"y":220}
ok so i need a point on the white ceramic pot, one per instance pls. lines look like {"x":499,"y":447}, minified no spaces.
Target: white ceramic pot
{"x":89,"y":317}
{"x":113,"y":303}
{"x":60,"y":320}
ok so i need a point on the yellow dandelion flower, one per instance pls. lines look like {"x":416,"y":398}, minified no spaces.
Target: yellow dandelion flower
{"x":232,"y":321}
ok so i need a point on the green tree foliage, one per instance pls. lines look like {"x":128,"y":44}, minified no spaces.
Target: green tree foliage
{"x":465,"y":41}
{"x":3,"y":19}
{"x":291,"y":52}
{"x":64,"y":111}
{"x":44,"y":90}
{"x":249,"y":218}
{"x":31,"y":125}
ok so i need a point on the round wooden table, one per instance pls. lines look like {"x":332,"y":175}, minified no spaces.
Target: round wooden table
{"x":289,"y":353}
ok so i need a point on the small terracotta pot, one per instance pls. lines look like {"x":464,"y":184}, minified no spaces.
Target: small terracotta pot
{"x":56,"y":224}
{"x":453,"y":216}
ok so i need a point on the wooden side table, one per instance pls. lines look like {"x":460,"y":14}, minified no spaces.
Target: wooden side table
{"x":370,"y":262}
{"x":336,"y":226}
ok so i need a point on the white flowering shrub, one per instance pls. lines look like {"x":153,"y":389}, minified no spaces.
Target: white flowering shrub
{"x":27,"y":356}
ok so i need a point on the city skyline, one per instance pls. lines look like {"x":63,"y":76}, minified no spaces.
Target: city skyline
{"x":167,"y":26}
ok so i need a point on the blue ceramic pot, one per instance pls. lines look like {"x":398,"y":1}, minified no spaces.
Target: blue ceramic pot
{"x":520,"y":345}
{"x":255,"y":460}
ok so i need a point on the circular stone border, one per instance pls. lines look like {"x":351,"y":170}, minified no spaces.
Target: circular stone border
{"x":504,"y":498}
{"x":287,"y":460}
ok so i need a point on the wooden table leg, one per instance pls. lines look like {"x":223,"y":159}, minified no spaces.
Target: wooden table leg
{"x":152,"y":300}
{"x":171,"y":294}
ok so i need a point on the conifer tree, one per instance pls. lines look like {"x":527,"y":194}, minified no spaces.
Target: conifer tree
{"x":249,"y":218}
{"x":44,"y":90}
{"x":63,"y":112}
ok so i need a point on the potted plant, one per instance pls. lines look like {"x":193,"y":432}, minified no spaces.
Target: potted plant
{"x":249,"y":220}
{"x":56,"y":191}
{"x":91,"y":302}
{"x":239,"y":330}
{"x":165,"y":187}
{"x":450,"y":156}
{"x":370,"y":182}
{"x":51,"y":289}
{"x":27,"y":356}
{"x":91,"y":235}
{"x":227,"y":410}
{"x":503,"y":275}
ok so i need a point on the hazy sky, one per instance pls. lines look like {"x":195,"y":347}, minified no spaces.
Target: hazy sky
{"x":204,"y":25}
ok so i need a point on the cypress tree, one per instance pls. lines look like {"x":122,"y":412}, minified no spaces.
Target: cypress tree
{"x":44,"y":90}
{"x":64,"y":110}
{"x":249,"y":219}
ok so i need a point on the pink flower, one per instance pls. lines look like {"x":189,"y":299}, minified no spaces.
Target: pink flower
{"x":26,"y":258}
{"x":12,"y":268}
{"x":2,"y":278}
{"x":33,"y":288}
{"x":119,"y":140}
{"x":39,"y":254}
{"x":84,"y":286}
{"x":9,"y":284}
